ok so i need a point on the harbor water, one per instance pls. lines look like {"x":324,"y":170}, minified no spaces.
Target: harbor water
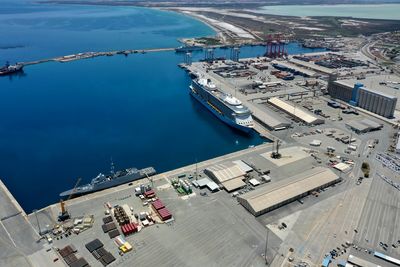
{"x":61,"y":121}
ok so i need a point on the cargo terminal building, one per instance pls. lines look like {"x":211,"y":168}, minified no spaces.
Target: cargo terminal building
{"x":378,"y":101}
{"x":273,"y":196}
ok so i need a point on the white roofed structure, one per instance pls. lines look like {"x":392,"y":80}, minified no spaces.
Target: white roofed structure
{"x":343,"y":167}
{"x":254,"y":182}
{"x":272,"y":196}
{"x":224,"y":172}
{"x":229,"y":174}
{"x":295,"y":111}
{"x":243,"y":166}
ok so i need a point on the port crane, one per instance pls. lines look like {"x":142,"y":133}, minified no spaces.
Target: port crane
{"x":64,"y":214}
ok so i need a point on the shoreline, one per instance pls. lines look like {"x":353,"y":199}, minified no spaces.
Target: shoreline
{"x":224,"y":30}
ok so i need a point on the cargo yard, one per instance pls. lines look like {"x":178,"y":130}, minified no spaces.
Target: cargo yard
{"x":322,"y":191}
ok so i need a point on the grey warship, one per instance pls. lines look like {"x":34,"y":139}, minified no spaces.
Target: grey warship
{"x":103,"y":181}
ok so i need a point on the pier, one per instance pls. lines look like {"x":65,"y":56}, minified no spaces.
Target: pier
{"x":86,"y":55}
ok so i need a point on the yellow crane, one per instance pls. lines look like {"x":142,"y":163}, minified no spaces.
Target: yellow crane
{"x":64,"y":215}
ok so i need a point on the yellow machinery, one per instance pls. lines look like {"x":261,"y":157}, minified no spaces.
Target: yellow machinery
{"x":64,"y":215}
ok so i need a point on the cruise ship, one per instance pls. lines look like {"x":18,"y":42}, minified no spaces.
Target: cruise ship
{"x":103,"y":181}
{"x":226,"y":107}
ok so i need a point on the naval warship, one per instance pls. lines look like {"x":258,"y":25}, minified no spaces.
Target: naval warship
{"x":10,"y":69}
{"x":103,"y":181}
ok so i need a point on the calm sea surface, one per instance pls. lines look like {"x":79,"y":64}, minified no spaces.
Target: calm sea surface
{"x":60,"y":121}
{"x":381,"y":11}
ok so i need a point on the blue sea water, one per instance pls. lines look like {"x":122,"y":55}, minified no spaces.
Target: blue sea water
{"x":49,"y":30}
{"x":61,"y":121}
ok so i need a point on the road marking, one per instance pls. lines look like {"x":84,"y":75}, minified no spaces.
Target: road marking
{"x":9,"y":236}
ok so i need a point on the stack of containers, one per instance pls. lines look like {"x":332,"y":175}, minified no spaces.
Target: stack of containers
{"x":157,"y":205}
{"x":128,"y":229}
{"x":149,"y":194}
{"x":164,"y":214}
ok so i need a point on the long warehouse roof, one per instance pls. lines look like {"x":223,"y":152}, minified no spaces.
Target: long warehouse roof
{"x":312,"y":66}
{"x":295,"y":111}
{"x":296,"y":67}
{"x":272,"y":195}
{"x":225,"y":172}
{"x":268,"y":117}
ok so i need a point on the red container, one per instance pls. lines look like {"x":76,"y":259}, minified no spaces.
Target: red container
{"x":149,"y":194}
{"x":158,"y":204}
{"x":164,"y":214}
{"x":123,"y":229}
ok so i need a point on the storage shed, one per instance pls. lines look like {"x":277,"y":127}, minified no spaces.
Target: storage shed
{"x":243,"y":166}
{"x":229,"y":174}
{"x":267,"y":198}
{"x":296,"y":112}
{"x":224,"y":172}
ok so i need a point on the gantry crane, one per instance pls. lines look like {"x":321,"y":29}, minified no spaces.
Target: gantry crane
{"x":64,"y":215}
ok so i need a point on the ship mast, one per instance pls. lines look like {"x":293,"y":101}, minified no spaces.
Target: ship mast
{"x":112,"y":167}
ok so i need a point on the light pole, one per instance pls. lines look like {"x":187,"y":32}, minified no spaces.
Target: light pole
{"x":266,"y":248}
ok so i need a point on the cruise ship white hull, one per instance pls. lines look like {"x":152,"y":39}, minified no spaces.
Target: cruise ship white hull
{"x":219,"y":115}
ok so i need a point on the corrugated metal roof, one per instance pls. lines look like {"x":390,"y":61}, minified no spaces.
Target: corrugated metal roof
{"x":371,"y":123}
{"x":360,"y":262}
{"x":387,"y":258}
{"x":363,"y":125}
{"x":242,"y":165}
{"x":268,"y":116}
{"x":272,"y":195}
{"x":158,"y":204}
{"x":378,"y":93}
{"x":295,"y":111}
{"x":203,"y":182}
{"x":254,"y":182}
{"x":342,"y":166}
{"x":212,"y":186}
{"x":233,"y":184}
{"x":312,"y":66}
{"x":357,"y":125}
{"x":296,"y":67}
{"x":225,"y":172}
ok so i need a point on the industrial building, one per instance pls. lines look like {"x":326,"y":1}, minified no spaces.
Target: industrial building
{"x":364,"y":126}
{"x":268,"y":118}
{"x":272,"y":196}
{"x":312,"y":66}
{"x":340,"y":90}
{"x":296,"y":112}
{"x":202,"y":183}
{"x":378,"y":100}
{"x":290,"y":67}
{"x":377,"y":103}
{"x":229,"y":174}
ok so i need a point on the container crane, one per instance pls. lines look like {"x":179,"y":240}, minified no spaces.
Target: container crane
{"x":64,"y":214}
